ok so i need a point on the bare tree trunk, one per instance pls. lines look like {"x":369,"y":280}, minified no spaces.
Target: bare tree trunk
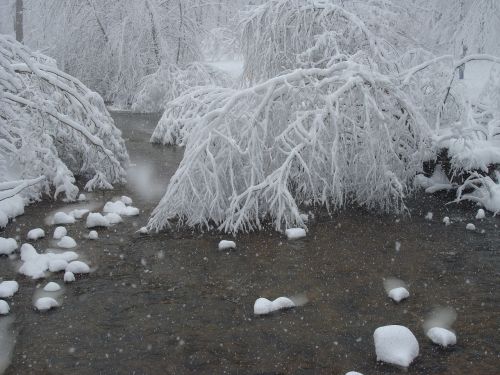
{"x":181,"y":30}
{"x":461,"y":70}
{"x":19,"y":21}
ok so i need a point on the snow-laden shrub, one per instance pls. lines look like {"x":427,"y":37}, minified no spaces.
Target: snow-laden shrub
{"x":220,"y":44}
{"x":157,"y":89}
{"x":287,"y":34}
{"x":319,"y":136}
{"x":485,"y":191}
{"x":53,"y":127}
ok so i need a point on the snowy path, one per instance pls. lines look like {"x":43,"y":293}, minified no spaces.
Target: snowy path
{"x":176,"y":304}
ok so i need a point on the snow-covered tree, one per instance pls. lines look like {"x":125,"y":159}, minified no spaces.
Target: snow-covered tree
{"x":52,"y":129}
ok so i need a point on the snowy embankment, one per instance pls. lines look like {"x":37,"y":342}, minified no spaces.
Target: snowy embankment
{"x":43,"y":108}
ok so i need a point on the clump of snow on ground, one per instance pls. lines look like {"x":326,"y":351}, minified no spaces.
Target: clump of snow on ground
{"x":438,"y":181}
{"x":35,"y":234}
{"x":120,"y":208}
{"x":126,"y":200}
{"x":67,"y":243}
{"x":52,"y":287}
{"x":82,"y":198}
{"x":263,"y":306}
{"x":8,"y":288}
{"x":295,"y":233}
{"x":59,"y":233}
{"x":446,"y":221}
{"x":77,"y":267}
{"x":398,"y":294}
{"x":35,"y":264}
{"x":113,"y":218}
{"x":93,"y":235}
{"x":470,"y":226}
{"x":69,"y":277}
{"x":46,"y":303}
{"x":4,"y":307}
{"x":353,"y":373}
{"x":10,"y":208}
{"x":396,"y":289}
{"x":78,"y":213}
{"x":62,"y":218}
{"x":396,"y":345}
{"x":480,"y":214}
{"x":7,"y":246}
{"x":224,"y":245}
{"x":57,"y":265}
{"x":95,"y":219}
{"x":442,"y":336}
{"x":429,"y":216}
{"x":143,"y":230}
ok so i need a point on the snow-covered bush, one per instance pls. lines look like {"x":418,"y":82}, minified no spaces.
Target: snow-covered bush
{"x":485,"y":191}
{"x":157,"y":89}
{"x":220,"y":44}
{"x":52,"y":128}
{"x":318,"y":136}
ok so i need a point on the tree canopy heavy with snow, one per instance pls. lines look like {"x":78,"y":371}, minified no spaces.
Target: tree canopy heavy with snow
{"x":52,"y":128}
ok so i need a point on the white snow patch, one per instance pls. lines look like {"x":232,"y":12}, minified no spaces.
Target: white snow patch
{"x":52,"y":287}
{"x":93,"y":235}
{"x":442,"y":336}
{"x":120,"y":208}
{"x":7,"y":246}
{"x":77,"y":267}
{"x":62,"y":218}
{"x":113,"y":218}
{"x":480,"y":214}
{"x":46,"y":303}
{"x":59,"y":233}
{"x":263,"y":306}
{"x":429,"y":216}
{"x":69,"y":277}
{"x":8,"y":288}
{"x":398,"y":294}
{"x":35,"y":264}
{"x":396,"y":345}
{"x":295,"y":233}
{"x":57,"y":265}
{"x":353,"y":373}
{"x":67,"y":242}
{"x":470,"y":226}
{"x":438,"y":181}
{"x":4,"y":307}
{"x":224,"y":245}
{"x":78,"y":213}
{"x":446,"y":221}
{"x":143,"y":230}
{"x":82,"y":198}
{"x":126,"y":200}
{"x":35,"y":234}
{"x":10,"y":208}
{"x":95,"y":219}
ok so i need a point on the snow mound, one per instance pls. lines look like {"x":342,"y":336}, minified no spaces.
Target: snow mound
{"x":46,"y":303}
{"x":95,"y":219}
{"x":442,"y":336}
{"x":59,"y":233}
{"x":35,"y":234}
{"x":398,"y":294}
{"x":353,"y":373}
{"x":446,"y":221}
{"x":69,"y":277}
{"x":224,"y":245}
{"x":429,"y":216}
{"x":78,"y":213}
{"x":7,"y":246}
{"x":437,"y":182}
{"x":295,"y":233}
{"x":8,"y":288}
{"x":470,"y":226}
{"x":120,"y":208}
{"x":77,"y":267}
{"x":396,"y":345}
{"x":67,"y":242}
{"x":143,"y":230}
{"x":113,"y":218}
{"x":10,"y":208}
{"x":480,"y":214}
{"x":263,"y":306}
{"x":52,"y":287}
{"x":63,"y":218}
{"x":57,"y":265}
{"x":82,"y":198}
{"x":35,"y":264}
{"x":93,"y":235}
{"x":4,"y":307}
{"x":126,"y":200}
